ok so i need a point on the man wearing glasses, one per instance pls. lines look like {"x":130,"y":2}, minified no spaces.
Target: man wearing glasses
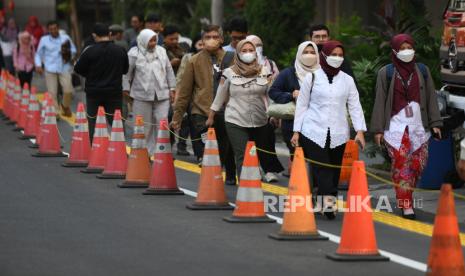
{"x":238,"y":31}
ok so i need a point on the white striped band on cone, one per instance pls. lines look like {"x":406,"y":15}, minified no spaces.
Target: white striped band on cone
{"x":81,"y":116}
{"x":101,"y":131}
{"x":138,"y":143}
{"x":101,"y":120}
{"x":163,"y":134}
{"x":117,"y":134}
{"x":163,"y":147}
{"x":139,"y":130}
{"x":81,"y":126}
{"x":33,"y":103}
{"x":211,"y":154}
{"x":246,"y":194}
{"x":50,"y":116}
{"x":250,"y":173}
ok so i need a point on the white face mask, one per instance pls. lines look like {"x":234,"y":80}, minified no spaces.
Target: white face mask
{"x":248,"y":57}
{"x":406,"y":55}
{"x":309,"y":59}
{"x":334,"y":61}
{"x":260,"y":55}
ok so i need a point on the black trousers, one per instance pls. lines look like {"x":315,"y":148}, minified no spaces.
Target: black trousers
{"x":25,"y":77}
{"x":109,"y":101}
{"x":326,"y":179}
{"x":224,"y":145}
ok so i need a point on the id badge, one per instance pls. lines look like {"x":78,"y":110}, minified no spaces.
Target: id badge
{"x":408,"y":111}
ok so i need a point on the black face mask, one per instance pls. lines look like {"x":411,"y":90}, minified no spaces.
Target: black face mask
{"x":320,"y":47}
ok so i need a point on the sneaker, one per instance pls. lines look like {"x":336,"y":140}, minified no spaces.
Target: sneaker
{"x":270,"y":177}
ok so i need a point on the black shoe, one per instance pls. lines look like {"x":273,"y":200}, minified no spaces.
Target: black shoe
{"x":409,"y":216}
{"x":183,"y":152}
{"x":199,"y":162}
{"x":230,"y":182}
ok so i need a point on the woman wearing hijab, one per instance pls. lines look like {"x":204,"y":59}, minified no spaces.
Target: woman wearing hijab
{"x":150,"y":80}
{"x":23,"y":58}
{"x":320,"y":124}
{"x":404,"y":114}
{"x":8,"y":43}
{"x":287,"y":85}
{"x":35,"y":29}
{"x":243,"y":88}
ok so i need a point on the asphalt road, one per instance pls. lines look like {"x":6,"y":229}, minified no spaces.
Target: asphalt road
{"x":58,"y":221}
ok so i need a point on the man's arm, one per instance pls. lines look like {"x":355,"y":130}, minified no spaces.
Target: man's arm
{"x":184,"y":96}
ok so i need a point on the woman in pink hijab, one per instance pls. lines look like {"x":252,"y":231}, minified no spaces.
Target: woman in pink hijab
{"x":23,"y":57}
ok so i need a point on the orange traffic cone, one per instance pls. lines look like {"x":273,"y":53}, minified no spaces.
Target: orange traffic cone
{"x":351,"y":154}
{"x":2,"y":92}
{"x":80,"y":142}
{"x":22,"y":118}
{"x":16,"y":102}
{"x":446,"y":255}
{"x":99,"y":149}
{"x":211,"y":194}
{"x":49,"y":142}
{"x":249,"y":199}
{"x":117,"y":158}
{"x":7,"y":110}
{"x":33,"y":117}
{"x":358,"y":239}
{"x":163,"y":177}
{"x":43,"y":107}
{"x":299,"y":220}
{"x":138,"y":169}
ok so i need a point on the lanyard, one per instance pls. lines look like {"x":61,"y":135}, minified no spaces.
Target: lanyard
{"x":405,"y":85}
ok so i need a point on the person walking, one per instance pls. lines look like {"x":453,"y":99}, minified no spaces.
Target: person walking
{"x":321,"y":126}
{"x":103,"y":64}
{"x":286,"y":87}
{"x":34,"y":28}
{"x":55,"y":53}
{"x":9,"y":37}
{"x":23,"y":58}
{"x":404,"y":115}
{"x":243,"y":89}
{"x":198,"y":88}
{"x":151,"y":82}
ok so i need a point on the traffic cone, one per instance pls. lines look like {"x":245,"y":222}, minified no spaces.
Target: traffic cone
{"x":43,"y":107}
{"x":33,"y":117}
{"x":358,"y":239}
{"x":299,"y":220}
{"x":80,"y":142}
{"x":7,"y":110}
{"x":138,"y":169}
{"x":211,"y":194}
{"x":2,"y":92}
{"x":50,"y":141}
{"x":249,"y":199}
{"x":446,"y":255}
{"x":16,"y":102}
{"x":351,"y":154}
{"x":117,"y":158}
{"x":22,"y":117}
{"x":99,"y":149}
{"x":163,"y":177}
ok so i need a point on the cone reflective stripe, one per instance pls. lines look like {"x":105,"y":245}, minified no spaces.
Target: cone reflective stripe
{"x":9,"y":99}
{"x":16,"y":105}
{"x":116,"y":159}
{"x":43,"y":106}
{"x":358,"y":239}
{"x":100,"y":142}
{"x":80,"y":142}
{"x":446,"y":255}
{"x":249,"y":199}
{"x":298,"y":221}
{"x":23,"y":108}
{"x":2,"y":91}
{"x":50,"y":142}
{"x":33,"y":117}
{"x":138,"y":168}
{"x":163,"y":177}
{"x":211,"y":194}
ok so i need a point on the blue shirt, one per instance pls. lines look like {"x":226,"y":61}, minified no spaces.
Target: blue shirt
{"x":229,"y":48}
{"x":49,"y":53}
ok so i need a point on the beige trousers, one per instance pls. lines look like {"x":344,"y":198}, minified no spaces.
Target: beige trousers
{"x":52,"y":79}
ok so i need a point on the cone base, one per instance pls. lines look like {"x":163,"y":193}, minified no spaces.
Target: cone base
{"x":34,"y":146}
{"x":74,"y":164}
{"x":233,"y":219}
{"x":26,"y":137}
{"x":196,"y":206}
{"x":111,"y":176}
{"x":133,"y":184}
{"x":17,"y":129}
{"x":357,"y":258}
{"x":45,"y":154}
{"x":92,"y":170}
{"x":296,"y":237}
{"x":150,"y":191}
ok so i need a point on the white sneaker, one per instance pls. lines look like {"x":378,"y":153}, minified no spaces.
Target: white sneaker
{"x":271,"y":177}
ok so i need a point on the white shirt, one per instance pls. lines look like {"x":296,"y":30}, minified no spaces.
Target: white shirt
{"x":417,"y":134}
{"x":326,"y":106}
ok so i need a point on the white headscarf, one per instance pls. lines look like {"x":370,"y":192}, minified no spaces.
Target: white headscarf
{"x":143,"y":41}
{"x":301,"y":69}
{"x":256,"y":40}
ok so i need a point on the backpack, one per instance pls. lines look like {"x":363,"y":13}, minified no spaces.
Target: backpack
{"x":390,"y":72}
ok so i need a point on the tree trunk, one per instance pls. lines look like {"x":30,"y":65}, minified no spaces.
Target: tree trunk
{"x":75,"y":32}
{"x":217,"y":8}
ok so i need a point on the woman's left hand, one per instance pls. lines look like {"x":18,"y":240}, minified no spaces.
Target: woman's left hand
{"x":438,"y":133}
{"x":360,"y":139}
